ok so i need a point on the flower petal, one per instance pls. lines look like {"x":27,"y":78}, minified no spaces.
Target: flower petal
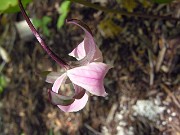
{"x":79,"y":52}
{"x":98,"y":56}
{"x":60,"y":81}
{"x":79,"y":92}
{"x":77,"y":105}
{"x":52,"y":76}
{"x":68,"y":103}
{"x":85,"y":51}
{"x":90,"y":77}
{"x":57,"y":99}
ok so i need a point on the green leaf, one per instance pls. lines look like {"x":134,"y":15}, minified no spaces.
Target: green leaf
{"x":145,"y":3}
{"x":51,"y":132}
{"x":46,"y":20}
{"x":43,"y":24}
{"x":63,"y":11}
{"x":11,"y":6}
{"x":36,"y":22}
{"x":3,"y":82}
{"x":61,"y":20}
{"x":1,"y":89}
{"x":162,"y":1}
{"x":129,"y":5}
{"x":64,"y":7}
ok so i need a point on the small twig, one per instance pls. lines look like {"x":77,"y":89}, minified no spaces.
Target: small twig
{"x":166,"y":89}
{"x":161,"y":54}
{"x":11,"y":43}
{"x":151,"y":74}
{"x":97,"y":7}
{"x":148,"y":45}
{"x":111,"y":113}
{"x":2,"y":66}
{"x":92,"y":130}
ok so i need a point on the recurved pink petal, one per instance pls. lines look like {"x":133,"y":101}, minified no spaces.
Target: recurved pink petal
{"x":86,"y":49}
{"x":79,"y":52}
{"x":68,"y":103}
{"x":56,"y":98}
{"x":79,"y":92}
{"x":90,"y":77}
{"x":53,"y":76}
{"x":98,"y":56}
{"x":77,"y":105}
{"x":59,"y":81}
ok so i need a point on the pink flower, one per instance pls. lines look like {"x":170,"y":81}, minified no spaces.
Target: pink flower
{"x":86,"y":74}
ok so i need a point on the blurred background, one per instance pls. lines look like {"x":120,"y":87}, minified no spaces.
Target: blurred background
{"x":143,"y":86}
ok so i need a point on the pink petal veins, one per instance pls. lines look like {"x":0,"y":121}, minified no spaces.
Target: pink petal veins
{"x":90,"y":77}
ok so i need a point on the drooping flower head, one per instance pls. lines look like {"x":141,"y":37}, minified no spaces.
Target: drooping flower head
{"x":86,"y":74}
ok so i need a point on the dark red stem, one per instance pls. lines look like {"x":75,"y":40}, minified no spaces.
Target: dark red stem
{"x":42,"y":43}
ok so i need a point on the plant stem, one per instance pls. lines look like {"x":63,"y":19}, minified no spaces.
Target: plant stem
{"x":97,"y":7}
{"x":42,"y":43}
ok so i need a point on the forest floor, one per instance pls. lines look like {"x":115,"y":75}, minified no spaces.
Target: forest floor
{"x":143,"y":86}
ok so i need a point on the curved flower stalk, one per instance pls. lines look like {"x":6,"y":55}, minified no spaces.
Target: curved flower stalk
{"x":86,"y":74}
